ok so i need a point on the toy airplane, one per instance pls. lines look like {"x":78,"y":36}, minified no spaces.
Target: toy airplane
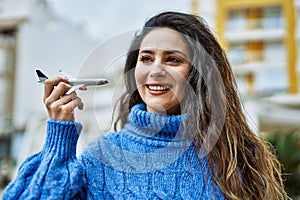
{"x":76,"y":83}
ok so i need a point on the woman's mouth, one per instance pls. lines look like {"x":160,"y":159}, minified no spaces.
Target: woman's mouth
{"x":157,"y":89}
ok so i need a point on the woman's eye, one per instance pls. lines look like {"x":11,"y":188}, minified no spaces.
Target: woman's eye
{"x":145,"y":59}
{"x":173,"y":60}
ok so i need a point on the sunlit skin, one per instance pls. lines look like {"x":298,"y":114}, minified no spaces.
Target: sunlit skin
{"x":162,"y":66}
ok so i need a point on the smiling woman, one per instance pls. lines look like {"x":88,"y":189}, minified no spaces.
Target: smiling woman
{"x":182,"y":132}
{"x":162,"y":67}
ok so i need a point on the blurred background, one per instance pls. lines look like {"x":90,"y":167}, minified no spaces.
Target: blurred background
{"x":261,"y":38}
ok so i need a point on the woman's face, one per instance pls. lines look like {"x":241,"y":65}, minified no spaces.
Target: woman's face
{"x":162,"y":66}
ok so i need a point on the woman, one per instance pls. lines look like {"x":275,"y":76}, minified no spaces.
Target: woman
{"x":183,"y":134}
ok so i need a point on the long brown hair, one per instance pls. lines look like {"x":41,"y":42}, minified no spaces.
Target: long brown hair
{"x":242,"y":164}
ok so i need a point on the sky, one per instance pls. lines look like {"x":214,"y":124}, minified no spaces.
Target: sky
{"x":104,"y":19}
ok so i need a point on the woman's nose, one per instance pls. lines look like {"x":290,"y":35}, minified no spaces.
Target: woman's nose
{"x":157,"y":70}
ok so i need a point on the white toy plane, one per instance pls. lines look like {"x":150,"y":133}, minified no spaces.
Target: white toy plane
{"x":76,"y":83}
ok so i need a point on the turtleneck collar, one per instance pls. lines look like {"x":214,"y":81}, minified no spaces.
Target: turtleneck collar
{"x":155,"y":126}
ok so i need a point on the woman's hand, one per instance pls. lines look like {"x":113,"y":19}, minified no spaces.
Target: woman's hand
{"x":60,"y":107}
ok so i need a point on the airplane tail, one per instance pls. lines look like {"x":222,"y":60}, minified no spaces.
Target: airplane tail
{"x":42,"y":77}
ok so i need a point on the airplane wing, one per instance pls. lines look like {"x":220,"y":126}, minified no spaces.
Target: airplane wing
{"x":65,"y":74}
{"x":74,"y":88}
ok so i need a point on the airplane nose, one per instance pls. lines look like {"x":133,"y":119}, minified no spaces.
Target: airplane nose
{"x":102,"y":82}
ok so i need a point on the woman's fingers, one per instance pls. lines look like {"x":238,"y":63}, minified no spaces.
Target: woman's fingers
{"x":76,"y":102}
{"x":60,"y":106}
{"x":83,"y":88}
{"x":58,"y":92}
{"x":65,"y":111}
{"x":50,"y":84}
{"x":65,"y":99}
{"x":69,"y":101}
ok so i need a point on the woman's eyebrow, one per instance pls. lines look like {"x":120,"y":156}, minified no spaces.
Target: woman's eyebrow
{"x":147,"y":51}
{"x":167,"y":52}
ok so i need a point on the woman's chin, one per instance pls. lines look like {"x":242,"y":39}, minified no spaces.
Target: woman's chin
{"x":163,"y":110}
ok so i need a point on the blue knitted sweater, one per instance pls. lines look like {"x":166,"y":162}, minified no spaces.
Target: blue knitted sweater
{"x":148,"y":159}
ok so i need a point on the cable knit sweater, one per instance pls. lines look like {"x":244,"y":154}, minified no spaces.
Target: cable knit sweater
{"x":148,"y":159}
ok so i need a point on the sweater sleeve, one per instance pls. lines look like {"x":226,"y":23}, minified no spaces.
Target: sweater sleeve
{"x":55,"y":172}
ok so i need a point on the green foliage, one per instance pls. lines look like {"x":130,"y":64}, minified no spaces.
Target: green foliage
{"x":287,"y":149}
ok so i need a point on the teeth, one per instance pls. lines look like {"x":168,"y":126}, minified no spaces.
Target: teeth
{"x":158,"y":87}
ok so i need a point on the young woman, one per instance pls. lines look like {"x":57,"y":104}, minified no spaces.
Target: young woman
{"x":183,"y":133}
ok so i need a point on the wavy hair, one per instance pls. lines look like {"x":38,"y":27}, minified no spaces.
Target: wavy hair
{"x":242,"y":164}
